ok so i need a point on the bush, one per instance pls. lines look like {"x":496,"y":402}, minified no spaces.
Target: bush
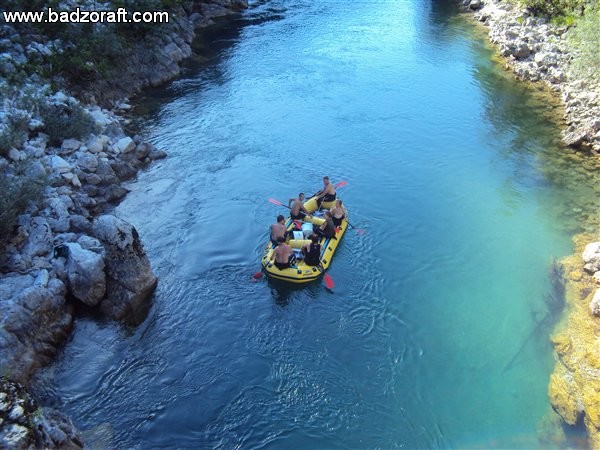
{"x":14,"y":132}
{"x":554,"y":8}
{"x":66,"y":121}
{"x":585,"y":37}
{"x":19,"y":192}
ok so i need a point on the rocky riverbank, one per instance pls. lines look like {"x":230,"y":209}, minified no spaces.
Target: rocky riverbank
{"x":538,"y":51}
{"x":535,"y":50}
{"x":62,"y":167}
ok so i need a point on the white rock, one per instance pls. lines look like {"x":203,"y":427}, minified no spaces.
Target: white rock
{"x":95,"y":144}
{"x":15,"y":154}
{"x":124,"y":145}
{"x":59,"y":165}
{"x":85,"y":270}
{"x":99,"y":117}
{"x":75,"y":181}
{"x":70,"y":145}
{"x":595,"y":303}
{"x":591,"y":257}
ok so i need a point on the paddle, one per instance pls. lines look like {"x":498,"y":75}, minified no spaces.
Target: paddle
{"x":277,"y":202}
{"x":329,"y":284}
{"x":360,"y":231}
{"x":257,"y":275}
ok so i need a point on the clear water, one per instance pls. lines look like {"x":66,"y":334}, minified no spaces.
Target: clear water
{"x":445,"y":157}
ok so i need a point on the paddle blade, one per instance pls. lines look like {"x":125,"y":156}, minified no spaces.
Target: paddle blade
{"x":340,"y":184}
{"x":276,"y":202}
{"x":257,"y":275}
{"x":360,"y":231}
{"x":328,"y":281}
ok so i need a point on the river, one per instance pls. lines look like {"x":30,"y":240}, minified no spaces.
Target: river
{"x":433,"y":335}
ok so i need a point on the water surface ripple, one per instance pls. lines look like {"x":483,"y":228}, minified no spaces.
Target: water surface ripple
{"x":444,"y":158}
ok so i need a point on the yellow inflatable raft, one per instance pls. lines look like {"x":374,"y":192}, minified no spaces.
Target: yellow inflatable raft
{"x":300,"y":272}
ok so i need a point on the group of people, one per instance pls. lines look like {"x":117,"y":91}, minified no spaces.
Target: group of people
{"x":283,"y":254}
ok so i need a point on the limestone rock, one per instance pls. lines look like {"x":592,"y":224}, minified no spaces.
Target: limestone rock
{"x":35,"y":320}
{"x":88,"y":162}
{"x":591,"y":257}
{"x":595,"y":304}
{"x":69,"y":146}
{"x":39,"y":238}
{"x":125,"y":145}
{"x":475,"y":4}
{"x":23,"y":424}
{"x":130,"y":280}
{"x":59,"y":165}
{"x":85,"y":272}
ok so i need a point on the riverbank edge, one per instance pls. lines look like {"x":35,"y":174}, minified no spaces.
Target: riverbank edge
{"x":536,"y":51}
{"x":66,"y":248}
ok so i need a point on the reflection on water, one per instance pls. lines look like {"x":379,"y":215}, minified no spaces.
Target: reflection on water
{"x":435,"y":334}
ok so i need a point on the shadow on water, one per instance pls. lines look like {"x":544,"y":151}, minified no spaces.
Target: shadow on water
{"x":554,"y":302}
{"x":284,"y":293}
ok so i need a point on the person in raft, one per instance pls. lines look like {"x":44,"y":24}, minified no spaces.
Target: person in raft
{"x":283,"y":254}
{"x":278,"y":230}
{"x":327,"y":229}
{"x":327,"y":194}
{"x":297,"y":207}
{"x":312,"y":251}
{"x":338,"y":213}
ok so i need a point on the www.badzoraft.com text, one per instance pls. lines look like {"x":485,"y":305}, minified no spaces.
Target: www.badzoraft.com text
{"x":78,"y":15}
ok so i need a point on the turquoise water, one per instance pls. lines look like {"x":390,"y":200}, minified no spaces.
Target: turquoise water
{"x":415,"y":347}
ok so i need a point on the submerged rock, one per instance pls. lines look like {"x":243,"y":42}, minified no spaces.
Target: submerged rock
{"x":130,"y":279}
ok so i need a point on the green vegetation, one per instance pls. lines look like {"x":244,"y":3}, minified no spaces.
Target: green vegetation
{"x":557,"y":10}
{"x":66,"y":121}
{"x":91,"y":53}
{"x":585,"y":37}
{"x":583,"y":17}
{"x":19,"y":192}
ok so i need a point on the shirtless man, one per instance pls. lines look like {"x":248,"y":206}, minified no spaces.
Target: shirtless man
{"x":278,"y":230}
{"x":297,"y":207}
{"x":338,"y":212}
{"x":283,"y":254}
{"x":327,"y":194}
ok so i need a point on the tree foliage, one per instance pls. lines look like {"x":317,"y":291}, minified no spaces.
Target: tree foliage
{"x":585,"y":37}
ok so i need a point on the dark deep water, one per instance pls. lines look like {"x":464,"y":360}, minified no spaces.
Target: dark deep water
{"x":445,"y":157}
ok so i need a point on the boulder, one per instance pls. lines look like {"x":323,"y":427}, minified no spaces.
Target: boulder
{"x":39,"y":238}
{"x":59,"y":165}
{"x":69,"y":146}
{"x":595,"y":304}
{"x":574,"y":138}
{"x":130,"y":280}
{"x":521,"y":51}
{"x":94,"y":144}
{"x":591,"y":257}
{"x":85,"y":272}
{"x":124,"y":145}
{"x":475,"y":4}
{"x":87,"y":162}
{"x":35,"y":321}
{"x":157,"y":154}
